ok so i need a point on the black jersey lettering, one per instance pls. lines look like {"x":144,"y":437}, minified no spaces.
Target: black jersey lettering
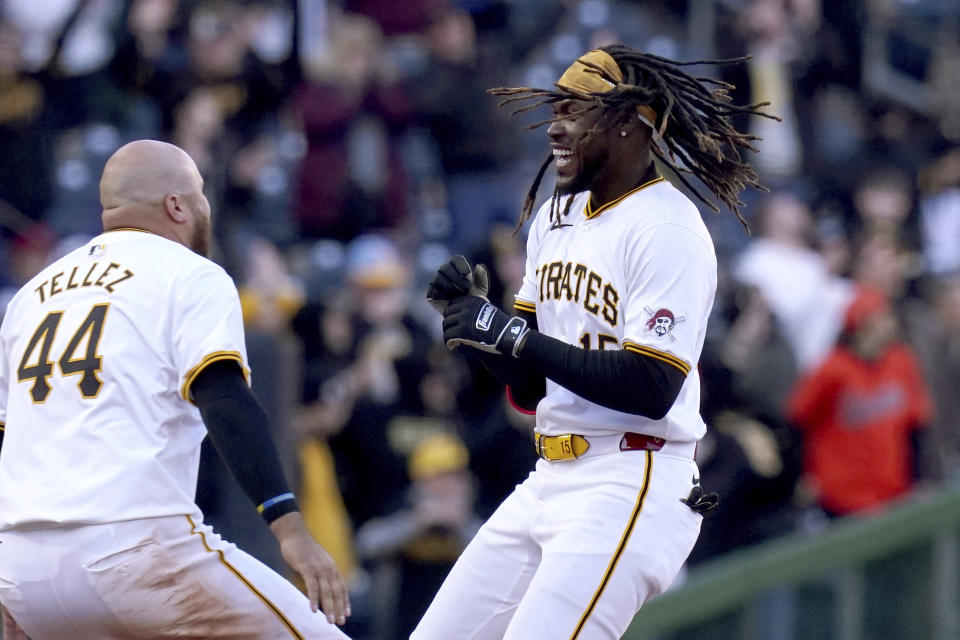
{"x":610,"y":300}
{"x":593,"y":288}
{"x":127,"y":274}
{"x":110,"y":267}
{"x":70,"y":283}
{"x":568,"y":281}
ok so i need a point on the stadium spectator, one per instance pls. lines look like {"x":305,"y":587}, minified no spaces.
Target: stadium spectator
{"x":882,"y":262}
{"x":362,"y":355}
{"x":861,"y":413}
{"x":219,"y":60}
{"x":411,"y":549}
{"x":352,"y":111}
{"x":794,"y":280}
{"x":27,"y":252}
{"x":147,"y":48}
{"x":774,"y":33}
{"x":937,"y":340}
{"x":269,"y":295}
{"x":404,"y":18}
{"x":883,"y":202}
{"x":940,"y":213}
{"x":198,"y":127}
{"x":476,"y":143}
{"x":29,"y":117}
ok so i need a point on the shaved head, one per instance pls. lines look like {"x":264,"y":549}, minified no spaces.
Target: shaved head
{"x":157,"y":187}
{"x":144,"y":172}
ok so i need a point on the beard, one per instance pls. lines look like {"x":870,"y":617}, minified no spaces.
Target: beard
{"x":585,"y":176}
{"x":580,"y":181}
{"x":201,"y":239}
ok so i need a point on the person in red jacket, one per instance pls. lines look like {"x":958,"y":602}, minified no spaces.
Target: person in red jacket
{"x":861,"y":412}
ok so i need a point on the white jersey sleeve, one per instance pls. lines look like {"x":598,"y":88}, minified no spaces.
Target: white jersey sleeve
{"x":526,"y":299}
{"x":671,"y":277}
{"x":207,"y":325}
{"x":4,"y":381}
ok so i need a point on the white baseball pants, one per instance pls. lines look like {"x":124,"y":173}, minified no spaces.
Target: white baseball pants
{"x":572,"y":553}
{"x":170,"y":577}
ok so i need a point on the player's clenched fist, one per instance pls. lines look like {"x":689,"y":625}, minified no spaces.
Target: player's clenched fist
{"x":455,"y":278}
{"x":325,"y":587}
{"x":475,"y":322}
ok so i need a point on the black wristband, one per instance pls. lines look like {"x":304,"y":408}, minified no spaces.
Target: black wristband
{"x":513,"y":336}
{"x":278,"y":506}
{"x":238,"y":428}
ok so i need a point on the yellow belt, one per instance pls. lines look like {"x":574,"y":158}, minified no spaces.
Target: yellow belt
{"x":568,"y":446}
{"x":571,"y":446}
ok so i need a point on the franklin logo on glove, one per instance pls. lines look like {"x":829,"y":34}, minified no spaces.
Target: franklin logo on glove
{"x":485,"y":317}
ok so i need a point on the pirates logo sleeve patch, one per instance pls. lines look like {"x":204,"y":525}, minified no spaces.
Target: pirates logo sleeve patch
{"x":662,"y":322}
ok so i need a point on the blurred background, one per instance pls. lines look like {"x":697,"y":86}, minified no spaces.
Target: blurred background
{"x":349,"y":148}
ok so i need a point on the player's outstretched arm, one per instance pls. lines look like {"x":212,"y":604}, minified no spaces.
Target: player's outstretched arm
{"x":237,"y":425}
{"x":325,"y":587}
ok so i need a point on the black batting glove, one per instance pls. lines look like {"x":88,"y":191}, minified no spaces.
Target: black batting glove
{"x":455,"y":278}
{"x":699,"y":501}
{"x":475,"y":322}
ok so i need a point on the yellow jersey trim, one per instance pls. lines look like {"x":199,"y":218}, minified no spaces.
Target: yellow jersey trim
{"x":621,"y":546}
{"x":129,"y":229}
{"x":590,"y":212}
{"x":286,"y":622}
{"x":523,"y":305}
{"x":663,"y":356}
{"x":209,"y":359}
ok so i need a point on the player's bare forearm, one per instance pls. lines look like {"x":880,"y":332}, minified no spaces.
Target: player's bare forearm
{"x":11,"y":630}
{"x":326,"y":589}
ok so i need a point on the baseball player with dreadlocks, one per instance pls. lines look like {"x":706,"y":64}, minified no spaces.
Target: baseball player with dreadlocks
{"x":620,"y":279}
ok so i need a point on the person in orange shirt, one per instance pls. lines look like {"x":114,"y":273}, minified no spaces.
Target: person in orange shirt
{"x":861,"y":412}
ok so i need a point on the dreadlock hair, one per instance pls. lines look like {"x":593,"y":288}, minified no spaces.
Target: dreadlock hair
{"x":693,"y":126}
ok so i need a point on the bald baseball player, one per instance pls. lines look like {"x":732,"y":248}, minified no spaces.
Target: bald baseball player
{"x":115,"y":362}
{"x":611,"y":316}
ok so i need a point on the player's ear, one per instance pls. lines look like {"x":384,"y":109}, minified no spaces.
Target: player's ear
{"x":626,"y":126}
{"x":174,"y":206}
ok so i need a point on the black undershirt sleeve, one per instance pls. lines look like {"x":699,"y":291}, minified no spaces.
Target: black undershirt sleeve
{"x":527,"y":385}
{"x":237,"y":425}
{"x":620,"y":380}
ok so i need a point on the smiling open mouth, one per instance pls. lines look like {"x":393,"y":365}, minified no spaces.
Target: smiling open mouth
{"x":563,"y":157}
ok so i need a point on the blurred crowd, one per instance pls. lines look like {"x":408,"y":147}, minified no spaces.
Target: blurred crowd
{"x":349,"y":148}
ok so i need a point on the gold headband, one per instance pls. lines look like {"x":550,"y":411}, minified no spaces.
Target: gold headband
{"x":589,"y":73}
{"x":583,"y":75}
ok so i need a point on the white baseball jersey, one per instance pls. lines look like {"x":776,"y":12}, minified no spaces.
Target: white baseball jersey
{"x":638,"y":273}
{"x":97,"y":353}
